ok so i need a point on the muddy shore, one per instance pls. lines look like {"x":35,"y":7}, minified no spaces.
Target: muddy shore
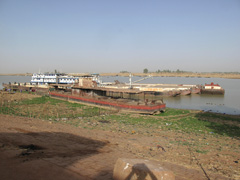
{"x":36,"y":149}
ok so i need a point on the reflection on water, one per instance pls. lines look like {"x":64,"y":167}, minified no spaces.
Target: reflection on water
{"x":204,"y":102}
{"x":228,"y":103}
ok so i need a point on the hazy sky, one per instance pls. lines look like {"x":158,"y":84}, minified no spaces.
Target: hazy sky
{"x":115,"y":35}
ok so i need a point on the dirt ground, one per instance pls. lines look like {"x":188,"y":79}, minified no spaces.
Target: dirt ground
{"x":5,"y":97}
{"x":37,"y":149}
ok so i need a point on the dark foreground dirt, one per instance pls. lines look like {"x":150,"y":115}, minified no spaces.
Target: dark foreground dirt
{"x":37,"y":149}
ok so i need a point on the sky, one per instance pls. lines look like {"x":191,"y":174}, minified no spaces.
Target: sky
{"x":96,"y":36}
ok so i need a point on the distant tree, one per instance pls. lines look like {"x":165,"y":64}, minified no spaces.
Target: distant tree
{"x":124,"y":72}
{"x":145,"y":70}
{"x":166,"y":71}
{"x":158,"y":71}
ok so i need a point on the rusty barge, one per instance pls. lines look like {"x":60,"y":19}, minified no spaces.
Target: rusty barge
{"x":212,"y":89}
{"x":152,"y":107}
{"x":121,"y":97}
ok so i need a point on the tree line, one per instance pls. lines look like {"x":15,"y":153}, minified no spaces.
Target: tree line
{"x":145,"y":70}
{"x":164,"y":71}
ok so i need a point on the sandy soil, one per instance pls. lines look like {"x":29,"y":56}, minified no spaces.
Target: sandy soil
{"x":37,"y":149}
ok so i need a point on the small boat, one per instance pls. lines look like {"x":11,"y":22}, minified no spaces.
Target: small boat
{"x":195,"y":90}
{"x":212,"y":89}
{"x":185,"y":92}
{"x":173,"y":93}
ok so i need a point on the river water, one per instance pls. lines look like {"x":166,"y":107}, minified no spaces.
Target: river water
{"x":228,"y":103}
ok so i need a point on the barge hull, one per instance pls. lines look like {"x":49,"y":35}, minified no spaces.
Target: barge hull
{"x":150,"y":109}
{"x":213,"y":91}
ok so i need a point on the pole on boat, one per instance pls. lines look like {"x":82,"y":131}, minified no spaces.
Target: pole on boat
{"x":130,"y":80}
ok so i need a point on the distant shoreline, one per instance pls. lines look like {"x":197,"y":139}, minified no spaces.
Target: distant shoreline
{"x":199,"y":75}
{"x":161,"y":74}
{"x":17,"y":74}
{"x":173,"y":74}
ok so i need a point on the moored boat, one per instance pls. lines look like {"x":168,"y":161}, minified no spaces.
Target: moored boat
{"x":212,"y":89}
{"x":195,"y":90}
{"x":173,"y":93}
{"x":53,"y":78}
{"x":129,"y":105}
{"x":185,"y":92}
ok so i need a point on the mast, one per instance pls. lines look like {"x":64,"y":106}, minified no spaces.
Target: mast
{"x":149,"y":76}
{"x":130,"y":80}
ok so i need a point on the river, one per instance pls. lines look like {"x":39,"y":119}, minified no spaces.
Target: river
{"x":228,"y":103}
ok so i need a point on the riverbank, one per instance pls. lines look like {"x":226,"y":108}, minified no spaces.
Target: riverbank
{"x":161,"y":74}
{"x":184,"y":140}
{"x":184,"y":74}
{"x":16,"y":74}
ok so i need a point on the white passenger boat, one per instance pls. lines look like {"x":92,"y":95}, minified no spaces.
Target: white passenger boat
{"x":53,"y":78}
